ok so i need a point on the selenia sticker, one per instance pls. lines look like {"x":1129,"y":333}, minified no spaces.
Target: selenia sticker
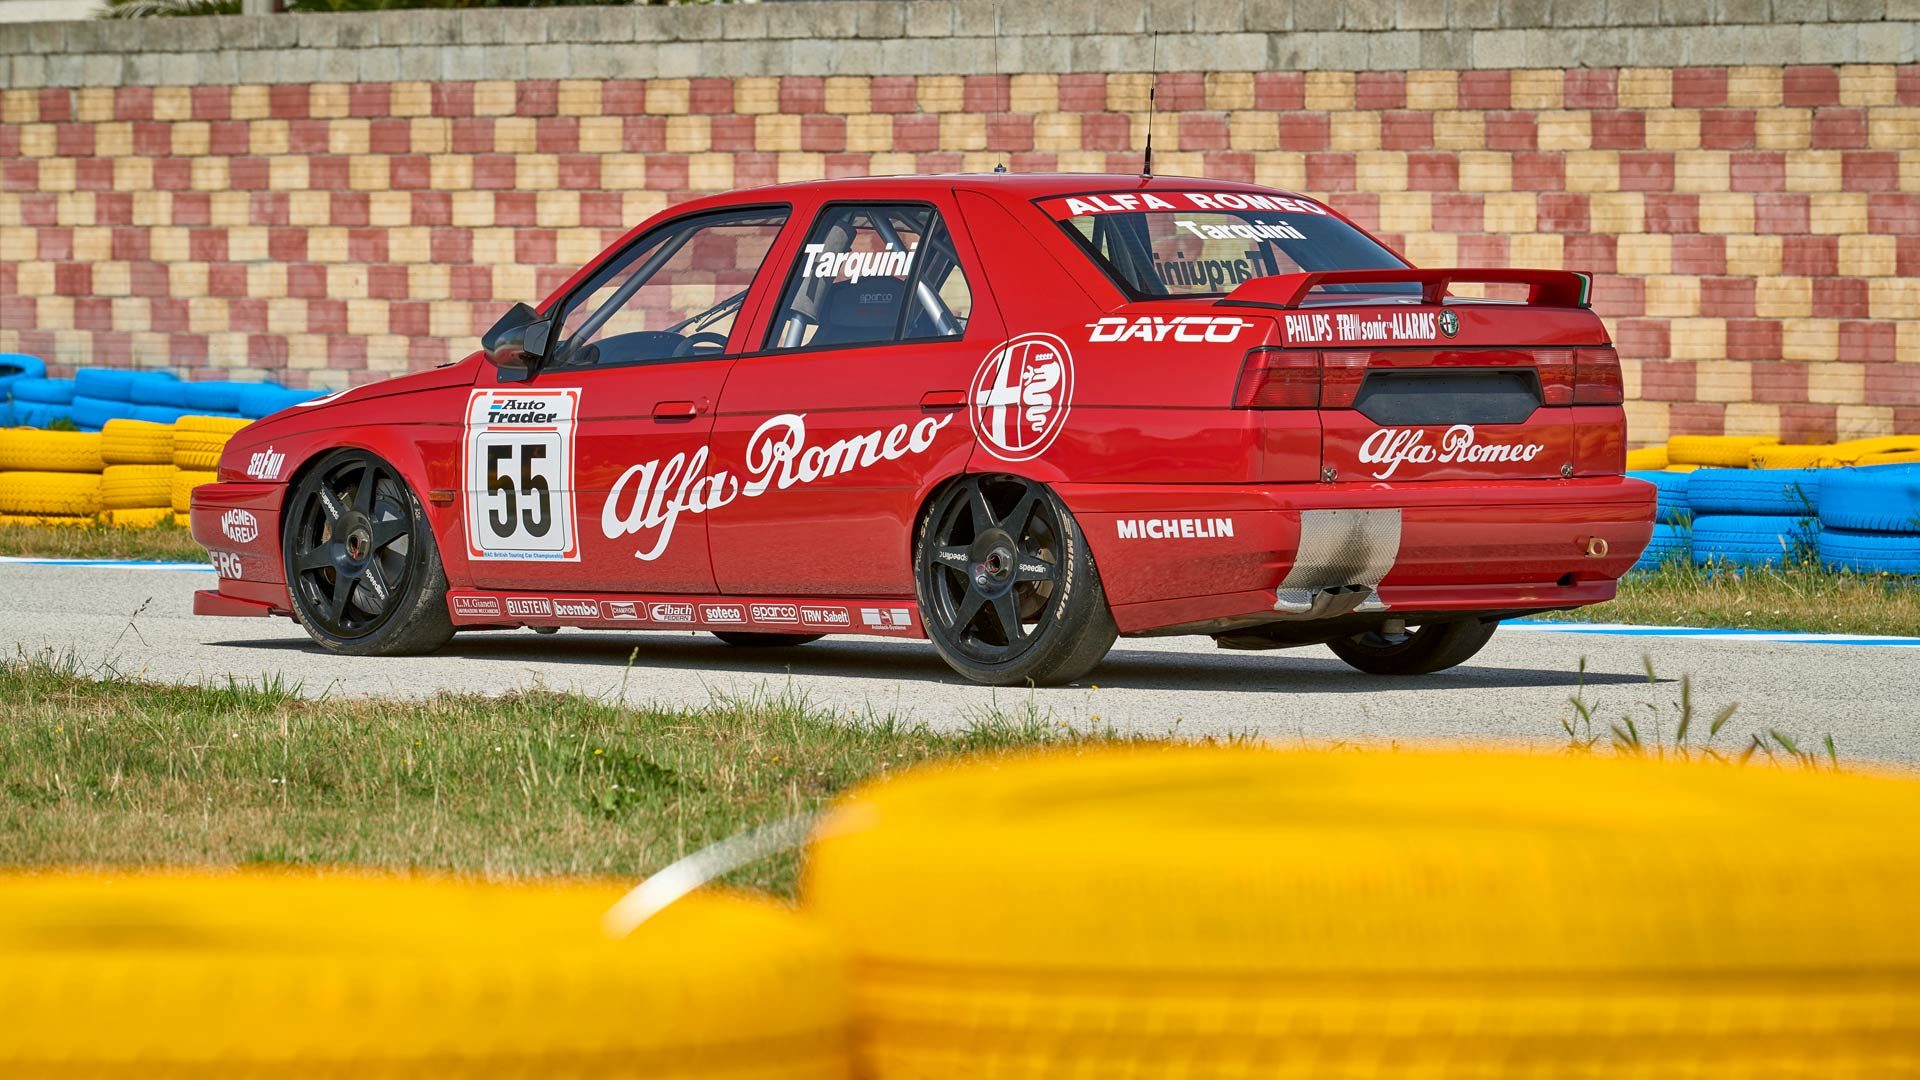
{"x":518,"y":474}
{"x":1021,"y":396}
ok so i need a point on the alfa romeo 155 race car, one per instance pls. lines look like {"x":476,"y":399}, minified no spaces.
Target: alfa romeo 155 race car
{"x":1015,"y":415}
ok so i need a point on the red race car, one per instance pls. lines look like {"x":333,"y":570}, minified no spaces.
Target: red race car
{"x":1016,"y":415}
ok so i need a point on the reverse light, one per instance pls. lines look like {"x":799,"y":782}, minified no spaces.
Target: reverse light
{"x":1596,"y":377}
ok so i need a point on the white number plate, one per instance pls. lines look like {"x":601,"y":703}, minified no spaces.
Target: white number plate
{"x":518,"y":474}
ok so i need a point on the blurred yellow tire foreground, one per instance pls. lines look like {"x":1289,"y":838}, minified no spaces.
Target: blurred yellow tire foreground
{"x":345,"y":976}
{"x":1239,"y":912}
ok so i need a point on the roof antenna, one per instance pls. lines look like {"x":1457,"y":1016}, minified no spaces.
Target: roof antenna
{"x":999,"y":166}
{"x":1146,"y":163}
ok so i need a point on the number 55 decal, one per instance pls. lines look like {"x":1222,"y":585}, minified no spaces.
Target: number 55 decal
{"x":517,"y":468}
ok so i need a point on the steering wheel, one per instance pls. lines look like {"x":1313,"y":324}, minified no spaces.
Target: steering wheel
{"x":692,"y":342}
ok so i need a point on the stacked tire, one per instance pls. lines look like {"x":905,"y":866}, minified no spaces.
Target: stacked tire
{"x":1754,"y":517}
{"x":136,"y":487}
{"x":1673,"y":520}
{"x":49,"y":477}
{"x":1870,"y":519}
{"x":197,"y":444}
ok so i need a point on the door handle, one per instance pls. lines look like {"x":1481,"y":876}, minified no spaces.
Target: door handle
{"x":675,"y":410}
{"x":943,"y":399}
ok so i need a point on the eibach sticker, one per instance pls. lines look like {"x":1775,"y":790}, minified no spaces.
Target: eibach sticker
{"x":517,"y":473}
{"x":1021,"y":395}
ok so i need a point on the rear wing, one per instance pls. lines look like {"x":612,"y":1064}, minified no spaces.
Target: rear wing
{"x":1547,"y":288}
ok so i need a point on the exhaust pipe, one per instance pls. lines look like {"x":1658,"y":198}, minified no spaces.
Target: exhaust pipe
{"x":1596,"y":547}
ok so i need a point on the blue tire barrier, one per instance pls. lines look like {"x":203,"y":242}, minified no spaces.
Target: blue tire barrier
{"x":211,"y":398}
{"x":1870,"y":552}
{"x":1674,"y":508}
{"x":104,"y":384}
{"x":1669,"y":543}
{"x":43,"y":391}
{"x":159,"y":414}
{"x":36,"y":414}
{"x":1872,"y":498}
{"x":7,"y":416}
{"x":93,"y":413}
{"x":15,"y":365}
{"x":1787,"y":492}
{"x":1752,"y":539}
{"x":265,"y":400}
{"x":168,"y":392}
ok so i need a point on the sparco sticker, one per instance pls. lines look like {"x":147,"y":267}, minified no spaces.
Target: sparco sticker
{"x":1391,"y":447}
{"x":1021,"y":396}
{"x":774,"y":613}
{"x":240,"y":526}
{"x":518,"y":466}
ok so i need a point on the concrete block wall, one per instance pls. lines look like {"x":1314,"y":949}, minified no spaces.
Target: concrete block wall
{"x":334,"y":199}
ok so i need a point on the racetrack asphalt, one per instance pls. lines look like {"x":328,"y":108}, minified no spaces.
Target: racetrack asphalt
{"x":1516,"y":691}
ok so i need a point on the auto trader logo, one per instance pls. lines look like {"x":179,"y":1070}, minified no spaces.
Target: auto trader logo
{"x":1021,"y":396}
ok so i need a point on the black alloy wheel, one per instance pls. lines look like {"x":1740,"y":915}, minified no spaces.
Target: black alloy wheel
{"x":361,"y":564}
{"x":1007,"y":589}
{"x":1418,"y":650}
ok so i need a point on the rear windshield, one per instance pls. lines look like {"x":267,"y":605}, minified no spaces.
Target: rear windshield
{"x":1180,"y":243}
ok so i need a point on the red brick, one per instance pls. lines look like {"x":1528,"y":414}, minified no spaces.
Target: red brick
{"x":1727,"y":129}
{"x":73,"y":140}
{"x":408,"y":318}
{"x":431,"y":208}
{"x":1305,"y":131}
{"x":1775,"y":212}
{"x":1757,"y":170}
{"x":1893,"y":384}
{"x":1906,"y":84}
{"x":247,"y":173}
{"x":1805,"y":423}
{"x":192,"y":208}
{"x":133,"y":103}
{"x":287,"y":101}
{"x":1101,"y":131}
{"x":493,"y":172}
{"x":173,"y":174}
{"x":449,"y":245}
{"x":623,"y":97}
{"x":895,"y":93}
{"x":1433,"y":172}
{"x":1331,"y":172}
{"x":916,"y":133}
{"x":53,"y":245}
{"x":1591,"y":88}
{"x":1203,"y":131}
{"x":73,"y":279}
{"x":580,"y":172}
{"x":837,"y":165}
{"x":113,"y":208}
{"x":1539,"y":172}
{"x":1405,"y":130}
{"x":1596,"y":253}
{"x":559,"y":135}
{"x":803,"y":94}
{"x":1511,"y":131}
{"x":1619,"y":130}
{"x":92,"y":313}
{"x":643,"y":134}
{"x":1485,"y":90}
{"x":1698,"y":254}
{"x":326,"y":316}
{"x":168,"y":315}
{"x":1898,"y":215}
{"x":537,"y":97}
{"x":1811,"y":85}
{"x":823,"y":134}
{"x":710,"y":96}
{"x":267,"y":350}
{"x":21,"y":176}
{"x":307,"y":281}
{"x":1839,"y":129}
{"x":1086,"y":92}
{"x":247,"y":314}
{"x":93,"y":174}
{"x":1646,"y":339}
{"x":1276,"y":90}
{"x":369,"y":99}
{"x":1874,"y":341}
{"x":286,"y":243}
{"x":1374,"y":90}
{"x":1008,"y":132}
{"x":452,"y":99}
{"x":1699,"y":87}
{"x":208,"y":102}
{"x":227,"y":279}
{"x":1810,"y":256}
{"x":1669,"y":213}
{"x":1907,"y":255}
{"x":1697,"y":418}
{"x":1646,"y":171}
{"x":1725,"y":298}
{"x":1870,"y":170}
{"x":387,"y":282}
{"x":1667,"y":380}
{"x":1561,"y":212}
{"x":55,"y":105}
{"x":129,"y":243}
{"x":1616,"y":297}
{"x":1180,"y":91}
{"x":986,"y":93}
{"x":328,"y":172}
{"x":408,"y":172}
{"x":1840,"y":298}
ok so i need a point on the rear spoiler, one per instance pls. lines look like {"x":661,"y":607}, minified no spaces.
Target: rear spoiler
{"x":1547,"y":288}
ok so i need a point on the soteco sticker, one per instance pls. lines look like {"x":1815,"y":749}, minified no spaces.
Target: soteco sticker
{"x":723,"y":614}
{"x":239,"y":526}
{"x":518,"y":474}
{"x":1021,"y":396}
{"x":1392,"y":447}
{"x":476,"y":605}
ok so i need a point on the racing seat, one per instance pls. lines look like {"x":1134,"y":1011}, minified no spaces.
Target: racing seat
{"x":859,"y":312}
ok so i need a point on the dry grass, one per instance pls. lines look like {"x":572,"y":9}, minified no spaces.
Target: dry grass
{"x":1799,"y":597}
{"x":160,"y":543}
{"x":104,"y":769}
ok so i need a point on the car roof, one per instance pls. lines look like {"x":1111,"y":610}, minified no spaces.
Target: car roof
{"x":1009,"y":185}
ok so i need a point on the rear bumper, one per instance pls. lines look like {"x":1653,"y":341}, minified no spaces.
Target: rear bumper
{"x":1179,"y":555}
{"x":239,"y":525}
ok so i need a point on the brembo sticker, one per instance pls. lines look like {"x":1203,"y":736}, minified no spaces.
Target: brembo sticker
{"x":1021,"y":396}
{"x":1186,"y":328}
{"x":1315,"y":328}
{"x":576,"y":609}
{"x":1391,"y":447}
{"x":652,"y":496}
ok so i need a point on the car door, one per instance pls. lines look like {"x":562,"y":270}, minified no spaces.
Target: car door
{"x":855,"y":405}
{"x":592,"y":474}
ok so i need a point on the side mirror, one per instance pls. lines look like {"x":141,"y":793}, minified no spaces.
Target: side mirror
{"x":517,"y":343}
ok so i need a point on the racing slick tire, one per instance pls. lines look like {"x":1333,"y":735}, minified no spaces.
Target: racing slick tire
{"x":1007,"y":587}
{"x":747,"y":639}
{"x":1419,"y":650}
{"x":361,"y":564}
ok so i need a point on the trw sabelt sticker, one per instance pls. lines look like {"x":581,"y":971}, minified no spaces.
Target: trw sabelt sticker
{"x":1021,"y":396}
{"x":517,"y":467}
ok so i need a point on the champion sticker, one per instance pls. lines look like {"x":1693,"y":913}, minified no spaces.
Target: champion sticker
{"x":1021,"y":396}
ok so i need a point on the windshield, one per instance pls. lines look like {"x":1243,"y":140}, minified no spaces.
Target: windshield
{"x":1179,"y":243}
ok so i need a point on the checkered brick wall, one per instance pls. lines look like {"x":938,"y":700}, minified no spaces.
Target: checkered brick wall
{"x":1755,"y":230}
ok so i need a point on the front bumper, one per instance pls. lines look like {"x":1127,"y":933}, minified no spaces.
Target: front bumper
{"x":1188,"y":556}
{"x":239,"y":525}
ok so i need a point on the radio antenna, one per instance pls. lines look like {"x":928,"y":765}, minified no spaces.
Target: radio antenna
{"x":1146,"y":162}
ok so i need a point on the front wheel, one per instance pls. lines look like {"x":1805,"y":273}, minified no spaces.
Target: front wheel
{"x":362,"y":567}
{"x":1420,"y":650}
{"x":1007,"y":587}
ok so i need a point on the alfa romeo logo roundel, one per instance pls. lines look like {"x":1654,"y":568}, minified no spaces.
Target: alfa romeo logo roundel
{"x":1449,"y":323}
{"x":1021,"y":395}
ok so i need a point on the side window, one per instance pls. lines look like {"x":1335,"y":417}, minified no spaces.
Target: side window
{"x":870,"y":274}
{"x":673,"y":295}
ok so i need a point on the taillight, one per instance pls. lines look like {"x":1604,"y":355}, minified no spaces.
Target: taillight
{"x":1596,"y":377}
{"x":1279,"y":379}
{"x":1556,"y":375}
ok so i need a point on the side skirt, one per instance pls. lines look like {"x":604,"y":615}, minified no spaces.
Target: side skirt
{"x":642,"y":611}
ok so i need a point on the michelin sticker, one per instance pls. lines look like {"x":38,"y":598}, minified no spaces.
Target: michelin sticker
{"x":1021,"y":396}
{"x":518,"y":474}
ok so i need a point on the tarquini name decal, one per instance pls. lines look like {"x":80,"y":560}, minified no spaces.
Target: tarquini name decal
{"x":652,"y":496}
{"x":1391,"y":447}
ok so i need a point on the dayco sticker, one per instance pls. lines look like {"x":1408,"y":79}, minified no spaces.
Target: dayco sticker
{"x":1021,"y":396}
{"x":266,"y":464}
{"x":240,"y":526}
{"x":1187,"y":328}
{"x":1345,"y":328}
{"x":655,"y":494}
{"x":1390,"y":447}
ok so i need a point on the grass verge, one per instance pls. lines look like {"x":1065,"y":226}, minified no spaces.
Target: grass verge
{"x":106,"y":769}
{"x":161,"y":543}
{"x":1802,"y":596}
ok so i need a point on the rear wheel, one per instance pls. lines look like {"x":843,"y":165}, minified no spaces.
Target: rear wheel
{"x":1007,"y":587}
{"x":362,"y":567}
{"x":1419,"y":650}
{"x":748,"y":640}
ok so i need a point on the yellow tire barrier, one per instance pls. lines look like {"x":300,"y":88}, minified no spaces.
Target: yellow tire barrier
{"x":135,"y":487}
{"x":1680,"y":468}
{"x":348,"y":976}
{"x":143,"y":518}
{"x":136,"y":442}
{"x":44,"y":520}
{"x":222,"y":425}
{"x":1238,"y":912}
{"x":57,"y":494}
{"x":1884,"y":444}
{"x":185,"y":521}
{"x":198,"y":440}
{"x":184,"y":481}
{"x":1721,"y":451}
{"x":1789,"y":456}
{"x":32,"y":450}
{"x":1649,"y":457}
{"x":1894,"y":457}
